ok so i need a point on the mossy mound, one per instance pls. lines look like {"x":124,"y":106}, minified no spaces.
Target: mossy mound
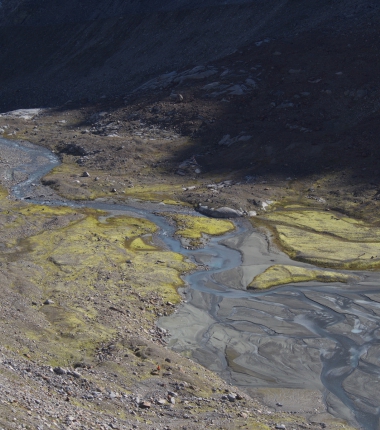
{"x":3,"y":192}
{"x":193,"y":227}
{"x":284,"y":274}
{"x":329,"y":223}
{"x":165,"y":193}
{"x":326,"y":239}
{"x":84,"y":264}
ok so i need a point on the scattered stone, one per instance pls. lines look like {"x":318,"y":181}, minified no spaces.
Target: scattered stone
{"x":231,"y":397}
{"x":85,"y":175}
{"x":211,"y":86}
{"x":223,"y":212}
{"x":49,"y":302}
{"x":197,"y":75}
{"x":145,"y":404}
{"x":226,"y":140}
{"x":236,"y":90}
{"x":251,"y":83}
{"x":59,"y":371}
{"x":280,"y":427}
{"x":74,"y":149}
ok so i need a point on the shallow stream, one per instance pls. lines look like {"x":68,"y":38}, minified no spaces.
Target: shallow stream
{"x":310,"y":348}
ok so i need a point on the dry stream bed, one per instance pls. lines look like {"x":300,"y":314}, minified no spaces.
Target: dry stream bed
{"x":310,"y":346}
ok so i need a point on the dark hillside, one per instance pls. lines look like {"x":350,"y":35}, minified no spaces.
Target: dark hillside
{"x":75,"y":50}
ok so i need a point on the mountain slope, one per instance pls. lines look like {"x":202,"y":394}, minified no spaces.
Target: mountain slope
{"x":69,"y":50}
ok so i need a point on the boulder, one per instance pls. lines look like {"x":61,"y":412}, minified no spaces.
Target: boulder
{"x":224,"y":212}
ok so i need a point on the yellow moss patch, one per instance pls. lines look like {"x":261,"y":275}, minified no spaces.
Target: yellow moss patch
{"x":80,"y":258}
{"x":325,"y":238}
{"x":140,"y":245}
{"x":46,"y":211}
{"x":327,"y":251}
{"x":283,"y":274}
{"x":3,"y":192}
{"x":161,"y":193}
{"x":192,"y":227}
{"x":327,"y":223}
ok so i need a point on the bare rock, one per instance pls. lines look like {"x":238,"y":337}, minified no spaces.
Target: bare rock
{"x":145,"y":405}
{"x":224,"y":212}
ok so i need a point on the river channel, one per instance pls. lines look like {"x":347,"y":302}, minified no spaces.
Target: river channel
{"x":312,"y":348}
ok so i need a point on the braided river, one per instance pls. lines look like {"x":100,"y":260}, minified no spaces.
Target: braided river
{"x":309,"y":347}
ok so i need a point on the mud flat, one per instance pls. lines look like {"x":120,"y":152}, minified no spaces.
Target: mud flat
{"x":303,"y":347}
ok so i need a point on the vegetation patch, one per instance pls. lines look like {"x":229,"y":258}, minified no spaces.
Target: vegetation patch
{"x":3,"y":192}
{"x":193,"y":227}
{"x":83,"y":270}
{"x":165,"y":193}
{"x":325,"y":238}
{"x":329,"y":223}
{"x":284,"y":274}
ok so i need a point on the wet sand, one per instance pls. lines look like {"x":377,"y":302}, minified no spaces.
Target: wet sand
{"x":309,"y":347}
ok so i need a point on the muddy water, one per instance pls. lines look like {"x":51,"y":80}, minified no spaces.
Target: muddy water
{"x":310,"y":348}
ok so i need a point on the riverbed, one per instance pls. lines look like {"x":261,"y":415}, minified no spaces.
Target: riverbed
{"x":310,"y":347}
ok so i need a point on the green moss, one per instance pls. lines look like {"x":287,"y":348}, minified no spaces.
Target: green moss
{"x":165,"y":193}
{"x":326,"y":251}
{"x":45,"y":211}
{"x":325,"y":238}
{"x":334,"y":224}
{"x":81,"y":256}
{"x":139,"y":244}
{"x":3,"y":193}
{"x":193,"y":227}
{"x":283,"y":274}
